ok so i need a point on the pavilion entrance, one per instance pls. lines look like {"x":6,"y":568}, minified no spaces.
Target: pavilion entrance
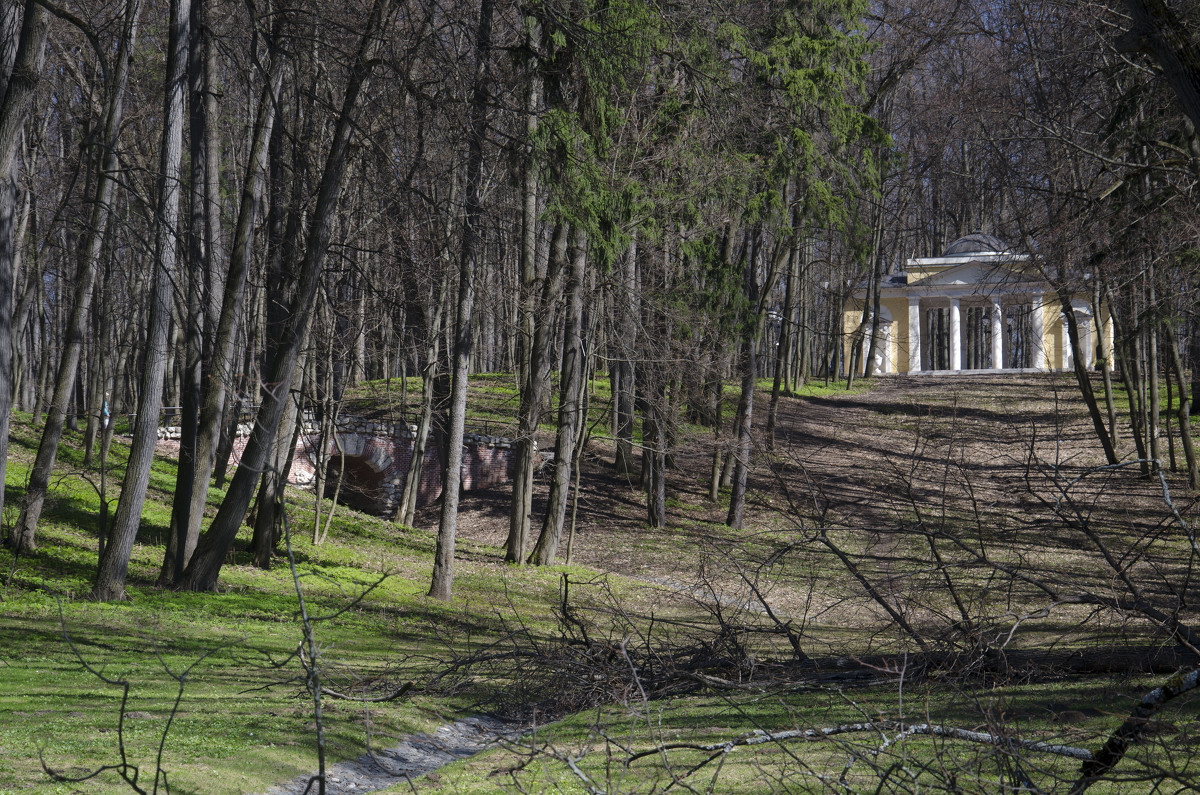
{"x":1019,"y":339}
{"x":975,"y":338}
{"x":937,"y":324}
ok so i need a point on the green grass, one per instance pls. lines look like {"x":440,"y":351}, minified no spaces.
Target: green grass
{"x":814,"y":387}
{"x":492,"y":406}
{"x":1121,"y":402}
{"x":243,"y":725}
{"x":598,"y":741}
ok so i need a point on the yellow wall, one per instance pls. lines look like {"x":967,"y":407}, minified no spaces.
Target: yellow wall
{"x":1099,"y":342}
{"x":1052,"y":331}
{"x":850,"y":320}
{"x":897,"y":343}
{"x":924,"y":271}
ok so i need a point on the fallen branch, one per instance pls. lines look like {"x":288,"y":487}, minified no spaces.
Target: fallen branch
{"x":1128,"y":732}
{"x":930,"y":729}
{"x":395,"y":694}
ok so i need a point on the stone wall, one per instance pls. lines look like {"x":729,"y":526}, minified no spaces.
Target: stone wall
{"x":377,"y":455}
{"x":174,"y":432}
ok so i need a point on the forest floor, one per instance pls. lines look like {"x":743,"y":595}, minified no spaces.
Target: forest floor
{"x":927,"y":510}
{"x":991,"y":452}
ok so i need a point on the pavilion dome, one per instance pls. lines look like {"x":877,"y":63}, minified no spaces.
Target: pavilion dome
{"x":975,"y":243}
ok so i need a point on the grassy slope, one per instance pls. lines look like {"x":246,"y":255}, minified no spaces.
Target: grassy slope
{"x":235,"y":732}
{"x":231,"y":734}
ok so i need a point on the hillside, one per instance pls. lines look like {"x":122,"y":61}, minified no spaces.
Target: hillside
{"x":934,"y":551}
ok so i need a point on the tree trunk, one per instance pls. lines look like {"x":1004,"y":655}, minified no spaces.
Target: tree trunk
{"x":110,"y":578}
{"x":581,"y":438}
{"x":715,"y":389}
{"x":1183,"y":415}
{"x":741,"y":432}
{"x":806,"y":334}
{"x":533,"y":397}
{"x":406,"y":513}
{"x":783,"y":352}
{"x":757,"y":296}
{"x":89,"y":266}
{"x":1157,"y":32}
{"x":1167,"y":423}
{"x":1143,"y":391}
{"x":202,"y":572}
{"x":1152,"y":370}
{"x":1130,"y":376}
{"x":528,"y":311}
{"x":17,"y":88}
{"x":200,"y":318}
{"x":623,"y":370}
{"x":227,"y":438}
{"x":1195,"y":363}
{"x":876,"y":285}
{"x":22,"y":392}
{"x":443,"y":562}
{"x":94,"y":403}
{"x":1083,"y":378}
{"x":655,"y":461}
{"x":268,"y":521}
{"x":223,"y":332}
{"x":321,"y":387}
{"x":569,"y":403}
{"x":1106,"y":364}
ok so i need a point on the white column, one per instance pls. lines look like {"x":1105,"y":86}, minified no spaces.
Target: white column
{"x":885,"y":349}
{"x":914,"y":335}
{"x":1086,"y":343}
{"x":1087,"y":340}
{"x":955,"y":336}
{"x":1037,"y":321}
{"x":997,"y":335}
{"x":1067,"y":357}
{"x":1089,"y":344}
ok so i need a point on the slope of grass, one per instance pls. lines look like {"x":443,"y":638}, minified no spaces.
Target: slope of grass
{"x":245,"y":722}
{"x":494,"y":400}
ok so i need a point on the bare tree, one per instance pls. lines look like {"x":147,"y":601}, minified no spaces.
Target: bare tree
{"x":205,"y":566}
{"x":89,"y":266}
{"x":21,"y":50}
{"x":110,"y":576}
{"x":443,"y":562}
{"x":569,"y":407}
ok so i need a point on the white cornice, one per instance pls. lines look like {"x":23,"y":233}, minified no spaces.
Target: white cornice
{"x":965,"y":258}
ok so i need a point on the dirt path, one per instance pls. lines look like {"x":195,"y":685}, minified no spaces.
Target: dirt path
{"x":415,"y":755}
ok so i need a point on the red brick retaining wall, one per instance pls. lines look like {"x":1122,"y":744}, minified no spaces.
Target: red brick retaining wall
{"x":376,"y":457}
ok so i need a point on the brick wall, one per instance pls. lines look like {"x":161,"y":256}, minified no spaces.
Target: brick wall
{"x":377,"y":456}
